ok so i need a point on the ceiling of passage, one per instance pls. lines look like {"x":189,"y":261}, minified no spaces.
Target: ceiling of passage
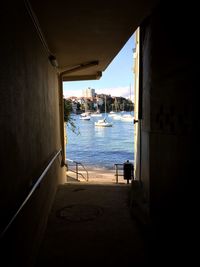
{"x":85,"y":36}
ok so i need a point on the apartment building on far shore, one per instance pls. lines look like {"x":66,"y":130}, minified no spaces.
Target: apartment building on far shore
{"x":88,"y":92}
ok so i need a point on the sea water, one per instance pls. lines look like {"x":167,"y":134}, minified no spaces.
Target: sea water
{"x":100,"y":147}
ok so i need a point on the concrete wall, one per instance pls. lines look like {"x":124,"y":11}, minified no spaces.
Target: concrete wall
{"x":169,"y":108}
{"x":29,"y":132}
{"x":168,"y":194}
{"x":140,"y":196}
{"x":145,"y":122}
{"x":136,"y":106}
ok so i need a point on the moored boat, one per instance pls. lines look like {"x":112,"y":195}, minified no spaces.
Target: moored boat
{"x":103,"y":123}
{"x":87,"y":118}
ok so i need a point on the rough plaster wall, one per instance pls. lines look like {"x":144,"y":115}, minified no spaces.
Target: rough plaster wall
{"x":29,"y":130}
{"x":136,"y":108}
{"x":172,"y":100}
{"x":173,"y":141}
{"x":146,"y":79}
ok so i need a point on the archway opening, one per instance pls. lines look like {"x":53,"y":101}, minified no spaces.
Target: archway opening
{"x":98,"y":153}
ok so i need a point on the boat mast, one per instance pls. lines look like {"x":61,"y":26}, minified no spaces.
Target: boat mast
{"x":116,"y":105}
{"x":130,"y":100}
{"x":105,"y":105}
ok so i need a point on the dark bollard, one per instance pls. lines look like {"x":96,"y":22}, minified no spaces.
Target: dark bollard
{"x":128,"y":171}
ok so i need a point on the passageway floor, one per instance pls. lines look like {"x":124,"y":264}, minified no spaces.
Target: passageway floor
{"x":90,"y":225}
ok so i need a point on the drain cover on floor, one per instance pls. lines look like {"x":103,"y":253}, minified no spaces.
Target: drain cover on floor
{"x":79,"y":213}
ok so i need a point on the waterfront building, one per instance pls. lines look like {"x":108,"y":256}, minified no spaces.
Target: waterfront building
{"x":88,"y":92}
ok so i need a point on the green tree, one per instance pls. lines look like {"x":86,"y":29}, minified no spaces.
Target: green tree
{"x":67,"y":117}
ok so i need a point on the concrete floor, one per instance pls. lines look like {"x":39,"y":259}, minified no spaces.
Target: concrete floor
{"x":90,"y":225}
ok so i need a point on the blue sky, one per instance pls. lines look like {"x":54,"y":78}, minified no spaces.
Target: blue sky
{"x":116,"y":80}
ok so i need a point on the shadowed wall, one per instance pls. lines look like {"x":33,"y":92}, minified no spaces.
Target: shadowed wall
{"x":169,"y":127}
{"x":30,"y":134}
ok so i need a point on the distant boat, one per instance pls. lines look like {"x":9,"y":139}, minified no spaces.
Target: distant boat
{"x":103,"y":122}
{"x":127,"y":117}
{"x":85,"y":114}
{"x":112,"y":114}
{"x":85,"y":117}
{"x":117,"y":117}
{"x":96,"y":115}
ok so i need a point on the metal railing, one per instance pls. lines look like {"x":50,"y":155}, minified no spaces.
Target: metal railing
{"x":117,"y":173}
{"x":39,"y":180}
{"x":76,"y":171}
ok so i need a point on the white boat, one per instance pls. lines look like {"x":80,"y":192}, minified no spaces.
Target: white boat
{"x":117,"y":117}
{"x":87,"y":118}
{"x":112,"y":114}
{"x":95,"y":115}
{"x":127,"y":117}
{"x":85,"y":114}
{"x":103,"y":122}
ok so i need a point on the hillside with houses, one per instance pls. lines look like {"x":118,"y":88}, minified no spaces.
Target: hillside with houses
{"x":93,"y":102}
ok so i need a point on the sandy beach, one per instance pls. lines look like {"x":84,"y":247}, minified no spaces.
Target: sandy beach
{"x":95,"y":175}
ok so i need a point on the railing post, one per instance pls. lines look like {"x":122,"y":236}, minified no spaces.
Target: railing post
{"x":77,"y":171}
{"x":116,"y":169}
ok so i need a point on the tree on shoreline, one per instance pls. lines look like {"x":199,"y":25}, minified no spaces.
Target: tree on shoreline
{"x":67,"y":116}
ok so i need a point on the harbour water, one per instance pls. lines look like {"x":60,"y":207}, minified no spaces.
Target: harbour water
{"x":100,"y":147}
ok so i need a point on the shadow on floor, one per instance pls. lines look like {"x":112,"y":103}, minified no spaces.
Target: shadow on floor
{"x":91,"y":225}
